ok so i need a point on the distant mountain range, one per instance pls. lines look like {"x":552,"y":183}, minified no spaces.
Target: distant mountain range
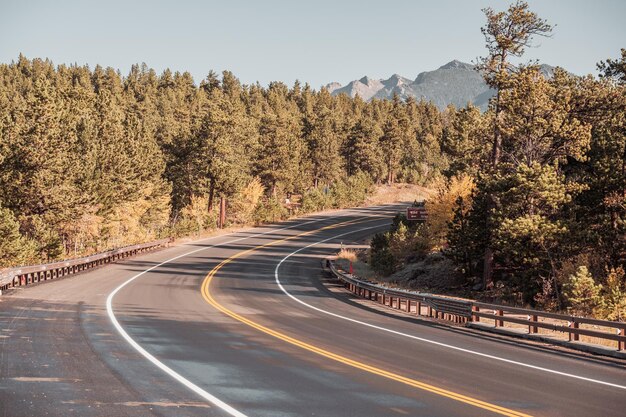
{"x":455,"y":83}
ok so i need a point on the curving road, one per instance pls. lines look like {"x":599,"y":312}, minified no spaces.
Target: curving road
{"x":247,"y":325}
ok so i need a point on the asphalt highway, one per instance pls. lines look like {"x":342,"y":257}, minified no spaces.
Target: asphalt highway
{"x":248,"y":325}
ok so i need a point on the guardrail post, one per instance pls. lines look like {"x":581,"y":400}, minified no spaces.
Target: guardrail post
{"x":408,"y":305}
{"x":621,"y":344}
{"x":531,"y":328}
{"x":499,"y":323}
{"x":571,"y":334}
{"x":475,"y":318}
{"x":418,"y":308}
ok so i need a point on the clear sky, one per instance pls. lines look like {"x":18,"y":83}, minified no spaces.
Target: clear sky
{"x":315,"y":41}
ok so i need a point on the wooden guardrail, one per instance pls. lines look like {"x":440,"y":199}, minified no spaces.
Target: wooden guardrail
{"x":465,"y":311}
{"x":25,"y":275}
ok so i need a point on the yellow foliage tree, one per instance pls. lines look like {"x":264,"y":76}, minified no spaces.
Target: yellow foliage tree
{"x":244,"y":204}
{"x":440,"y":209}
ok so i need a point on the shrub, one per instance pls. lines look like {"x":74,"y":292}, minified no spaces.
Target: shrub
{"x":315,"y":200}
{"x":381,"y":258}
{"x":582,"y":293}
{"x":15,"y":249}
{"x":245,"y":203}
{"x":194,"y":218}
{"x":614,"y":295}
{"x":270,"y":210}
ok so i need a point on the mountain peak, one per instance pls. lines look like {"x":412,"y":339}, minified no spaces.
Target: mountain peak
{"x":332,"y":86}
{"x":396,"y":80}
{"x":455,"y":63}
{"x":454,"y":83}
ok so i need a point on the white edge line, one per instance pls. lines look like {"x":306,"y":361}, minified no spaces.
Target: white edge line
{"x":473,"y":352}
{"x":193,"y":387}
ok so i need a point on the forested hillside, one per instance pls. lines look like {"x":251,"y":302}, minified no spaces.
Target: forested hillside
{"x":534,"y":208}
{"x":91,"y":159}
{"x":531,"y":193}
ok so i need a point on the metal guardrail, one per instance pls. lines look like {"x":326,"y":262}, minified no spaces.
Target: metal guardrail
{"x":560,"y":323}
{"x":25,"y":275}
{"x":464,"y":311}
{"x":455,"y":310}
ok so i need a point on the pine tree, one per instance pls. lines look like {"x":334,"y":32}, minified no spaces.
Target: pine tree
{"x":15,"y":249}
{"x":462,"y":140}
{"x":582,"y":293}
{"x":507,"y":35}
{"x":362,"y":151}
{"x":324,"y":142}
{"x":395,"y":133}
{"x":225,"y":141}
{"x":281,"y":160}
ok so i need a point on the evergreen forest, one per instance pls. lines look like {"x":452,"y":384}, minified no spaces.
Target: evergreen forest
{"x":529,"y":195}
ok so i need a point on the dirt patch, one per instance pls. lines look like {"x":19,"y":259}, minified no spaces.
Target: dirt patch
{"x":394,"y":193}
{"x":434,"y":273}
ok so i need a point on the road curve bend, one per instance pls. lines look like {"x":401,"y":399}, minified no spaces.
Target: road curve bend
{"x":246,"y":325}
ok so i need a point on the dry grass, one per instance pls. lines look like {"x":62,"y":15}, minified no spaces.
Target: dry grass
{"x":395,"y":193}
{"x":347,"y":254}
{"x":360,"y":269}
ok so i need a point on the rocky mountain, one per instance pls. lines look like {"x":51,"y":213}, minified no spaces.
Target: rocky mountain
{"x":455,"y":83}
{"x":366,"y":88}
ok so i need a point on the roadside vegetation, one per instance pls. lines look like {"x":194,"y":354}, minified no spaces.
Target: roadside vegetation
{"x":91,"y":159}
{"x":532,"y":210}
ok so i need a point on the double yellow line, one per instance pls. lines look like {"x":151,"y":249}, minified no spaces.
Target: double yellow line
{"x":208,"y":297}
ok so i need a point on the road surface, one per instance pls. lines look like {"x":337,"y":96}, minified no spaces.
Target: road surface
{"x":247,"y":325}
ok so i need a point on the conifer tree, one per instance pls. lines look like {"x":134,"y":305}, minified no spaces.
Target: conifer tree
{"x":395,"y":134}
{"x":507,"y":34}
{"x":324,"y":141}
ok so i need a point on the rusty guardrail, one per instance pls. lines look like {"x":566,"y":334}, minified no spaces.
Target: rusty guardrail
{"x":25,"y":275}
{"x":466,"y":311}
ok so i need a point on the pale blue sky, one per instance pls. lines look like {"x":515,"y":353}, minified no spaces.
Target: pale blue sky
{"x":313,"y":41}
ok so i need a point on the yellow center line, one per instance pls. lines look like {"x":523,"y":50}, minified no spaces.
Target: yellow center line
{"x":208,"y":297}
